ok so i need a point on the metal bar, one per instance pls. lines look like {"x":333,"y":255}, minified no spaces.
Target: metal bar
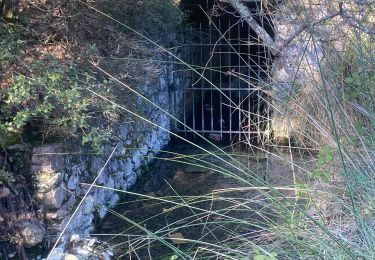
{"x":174,"y":100}
{"x":220,"y":86}
{"x":199,"y":67}
{"x":214,"y":131}
{"x":230,"y":82}
{"x":184,"y":93}
{"x":268,"y":98}
{"x":241,"y":89}
{"x":249,"y":86}
{"x":258,"y":92}
{"x":249,"y":111}
{"x":201,"y":91}
{"x":216,"y":44}
{"x":239,"y":81}
{"x":210,"y":64}
{"x":192,"y":91}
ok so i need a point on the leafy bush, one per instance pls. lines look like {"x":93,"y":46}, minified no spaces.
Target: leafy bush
{"x":6,"y":177}
{"x":53,"y":100}
{"x":151,"y":17}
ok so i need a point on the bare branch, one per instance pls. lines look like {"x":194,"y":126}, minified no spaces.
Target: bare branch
{"x":355,"y":23}
{"x":248,"y":17}
{"x":303,"y":27}
{"x":275,"y":47}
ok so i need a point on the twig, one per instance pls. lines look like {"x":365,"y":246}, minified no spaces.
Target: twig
{"x":248,"y":17}
{"x":277,"y":46}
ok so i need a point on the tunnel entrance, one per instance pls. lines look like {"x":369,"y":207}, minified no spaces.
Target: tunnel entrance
{"x":226,"y":100}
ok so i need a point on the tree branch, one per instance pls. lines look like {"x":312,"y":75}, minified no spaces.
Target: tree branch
{"x":275,"y":47}
{"x":303,"y":27}
{"x":248,"y":17}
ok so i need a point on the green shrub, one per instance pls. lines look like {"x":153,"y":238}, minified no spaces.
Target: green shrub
{"x":11,"y":42}
{"x":151,"y":17}
{"x":51,"y":100}
{"x":6,"y":177}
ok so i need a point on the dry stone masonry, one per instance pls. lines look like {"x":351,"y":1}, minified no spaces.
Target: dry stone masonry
{"x":63,"y":172}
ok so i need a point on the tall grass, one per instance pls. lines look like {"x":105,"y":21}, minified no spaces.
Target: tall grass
{"x":326,"y":210}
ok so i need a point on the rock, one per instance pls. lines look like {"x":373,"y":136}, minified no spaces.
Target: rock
{"x":64,"y":210}
{"x":107,"y":255}
{"x":54,"y":198}
{"x":113,"y":165}
{"x":90,"y":242}
{"x":83,"y":252}
{"x":19,"y":147}
{"x":138,"y":172}
{"x":96,"y":164}
{"x":131,"y":179}
{"x":143,"y":150}
{"x":128,"y":167}
{"x":70,"y":257}
{"x":117,"y":178}
{"x":4,"y":192}
{"x":51,"y":215}
{"x":102,"y":212}
{"x":31,"y":233}
{"x":121,"y":150}
{"x":103,"y":178}
{"x":73,"y":182}
{"x":123,"y":132}
{"x":47,"y":158}
{"x":115,"y":198}
{"x":75,"y":238}
{"x":177,"y":238}
{"x":47,"y":180}
{"x":150,"y":157}
{"x":56,"y":254}
{"x":11,"y":255}
{"x":88,"y":205}
{"x":110,"y":183}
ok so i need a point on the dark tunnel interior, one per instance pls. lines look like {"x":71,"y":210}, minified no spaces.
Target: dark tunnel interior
{"x":224,"y":104}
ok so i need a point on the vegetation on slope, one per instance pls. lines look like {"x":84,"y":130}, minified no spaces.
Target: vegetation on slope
{"x":46,"y":70}
{"x":330,"y":212}
{"x":48,"y":49}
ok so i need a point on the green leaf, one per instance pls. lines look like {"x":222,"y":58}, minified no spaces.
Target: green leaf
{"x":325,"y":155}
{"x":272,"y":256}
{"x":319,"y":174}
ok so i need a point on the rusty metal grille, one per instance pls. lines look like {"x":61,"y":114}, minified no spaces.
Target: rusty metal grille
{"x":227,"y":101}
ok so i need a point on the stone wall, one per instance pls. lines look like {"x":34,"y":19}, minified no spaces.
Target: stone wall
{"x":63,"y":172}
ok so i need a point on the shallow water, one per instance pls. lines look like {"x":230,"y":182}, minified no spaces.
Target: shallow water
{"x":189,"y":199}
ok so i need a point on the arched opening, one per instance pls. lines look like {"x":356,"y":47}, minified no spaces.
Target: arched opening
{"x":225,"y":101}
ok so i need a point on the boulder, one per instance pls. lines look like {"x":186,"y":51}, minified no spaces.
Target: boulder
{"x":31,"y":233}
{"x":53,"y":198}
{"x":47,"y":158}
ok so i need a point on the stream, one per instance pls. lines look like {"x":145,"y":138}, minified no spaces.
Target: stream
{"x":189,"y":199}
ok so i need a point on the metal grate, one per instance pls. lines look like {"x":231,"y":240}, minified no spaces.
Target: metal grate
{"x":227,"y":101}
